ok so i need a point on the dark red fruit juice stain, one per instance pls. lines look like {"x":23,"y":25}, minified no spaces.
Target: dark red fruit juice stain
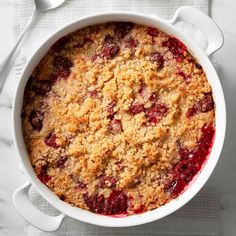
{"x":96,"y":203}
{"x":80,"y":185}
{"x":62,"y":67}
{"x":60,"y":44}
{"x":140,"y":210}
{"x":156,"y":113}
{"x":186,"y":78}
{"x":191,"y":161}
{"x":36,"y":119}
{"x":132,"y":43}
{"x":108,"y":39}
{"x":115,"y":204}
{"x":61,"y":162}
{"x":136,"y":108}
{"x":106,"y":181}
{"x":122,"y":29}
{"x":110,"y":50}
{"x":176,"y":47}
{"x":51,"y":140}
{"x":93,"y":94}
{"x":43,"y":175}
{"x":158,"y":59}
{"x":204,"y":105}
{"x":153,"y":32}
{"x":110,"y":109}
{"x":41,"y":87}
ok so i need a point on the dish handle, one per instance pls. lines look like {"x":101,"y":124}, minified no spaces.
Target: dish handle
{"x":31,"y":214}
{"x":204,"y":23}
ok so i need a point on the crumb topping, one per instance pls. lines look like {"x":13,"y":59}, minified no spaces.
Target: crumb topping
{"x":118,"y":118}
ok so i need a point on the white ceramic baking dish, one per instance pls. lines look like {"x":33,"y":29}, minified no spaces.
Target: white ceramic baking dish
{"x":214,"y":39}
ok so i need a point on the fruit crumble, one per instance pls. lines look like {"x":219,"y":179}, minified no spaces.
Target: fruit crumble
{"x":118,"y":118}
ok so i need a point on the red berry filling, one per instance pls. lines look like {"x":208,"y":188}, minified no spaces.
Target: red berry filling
{"x":158,"y":59}
{"x":110,"y":50}
{"x":51,"y":140}
{"x":43,"y":175}
{"x":132,"y":43}
{"x":110,"y":109}
{"x":122,"y":29}
{"x":96,"y":203}
{"x":191,"y":161}
{"x":136,"y":108}
{"x":36,"y":119}
{"x":204,"y":105}
{"x":108,"y":39}
{"x":153,"y":32}
{"x":78,"y":183}
{"x":176,"y":47}
{"x":115,"y":126}
{"x":61,"y":162}
{"x":116,"y":203}
{"x":156,"y":113}
{"x":40,"y":87}
{"x":186,"y":78}
{"x":106,"y":181}
{"x":62,"y":67}
{"x":93,"y":94}
{"x":60,"y":44}
{"x":140,"y":210}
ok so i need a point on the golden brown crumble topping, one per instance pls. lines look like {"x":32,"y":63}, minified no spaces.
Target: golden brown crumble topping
{"x":118,"y":118}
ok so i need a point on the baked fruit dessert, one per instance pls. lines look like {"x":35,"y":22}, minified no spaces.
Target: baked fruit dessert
{"x":118,"y":118}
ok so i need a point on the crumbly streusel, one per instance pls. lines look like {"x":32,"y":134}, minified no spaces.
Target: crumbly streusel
{"x":118,"y":118}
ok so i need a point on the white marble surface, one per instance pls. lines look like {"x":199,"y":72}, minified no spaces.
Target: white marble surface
{"x":223,"y":12}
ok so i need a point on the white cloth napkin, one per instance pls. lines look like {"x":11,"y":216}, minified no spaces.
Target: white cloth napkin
{"x":201,"y":217}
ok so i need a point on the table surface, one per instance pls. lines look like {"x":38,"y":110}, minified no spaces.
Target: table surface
{"x":223,"y":12}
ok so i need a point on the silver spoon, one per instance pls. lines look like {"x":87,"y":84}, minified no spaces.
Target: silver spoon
{"x":40,"y":6}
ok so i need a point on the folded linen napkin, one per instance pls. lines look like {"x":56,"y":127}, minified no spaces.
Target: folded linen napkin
{"x":201,"y":217}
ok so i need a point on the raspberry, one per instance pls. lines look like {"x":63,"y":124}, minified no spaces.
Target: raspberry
{"x":153,"y":32}
{"x":51,"y":140}
{"x":122,"y":29}
{"x":110,"y":50}
{"x":136,"y":108}
{"x":36,"y":119}
{"x":61,"y":162}
{"x":155,"y":114}
{"x":96,"y":203}
{"x":204,"y":105}
{"x":62,"y":67}
{"x":42,"y":87}
{"x":132,"y":43}
{"x":117,"y":203}
{"x":191,"y":161}
{"x":176,"y":47}
{"x":158,"y":59}
{"x":60,"y":44}
{"x":43,"y":175}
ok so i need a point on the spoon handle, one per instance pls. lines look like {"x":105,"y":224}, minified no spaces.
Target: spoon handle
{"x":8,"y":61}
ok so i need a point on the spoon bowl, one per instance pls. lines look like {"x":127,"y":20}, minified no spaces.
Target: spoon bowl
{"x":46,"y":5}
